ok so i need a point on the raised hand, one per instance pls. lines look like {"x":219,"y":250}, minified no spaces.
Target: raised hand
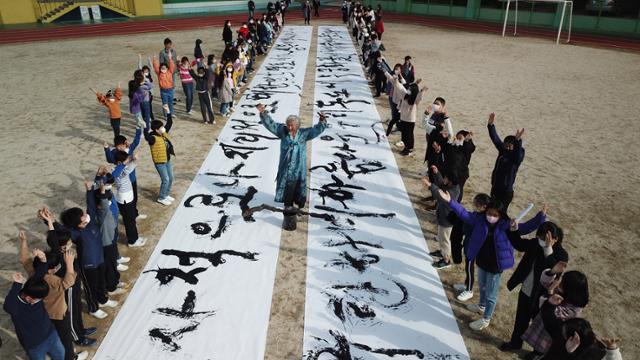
{"x":23,"y":237}
{"x":572,"y":343}
{"x":559,"y":267}
{"x":88,"y":185}
{"x":492,"y":119}
{"x":17,"y":277}
{"x":106,"y":145}
{"x":469,"y":136}
{"x":549,"y":241}
{"x":261,"y":108}
{"x":444,"y":195}
{"x":519,"y":133}
{"x":556,"y":299}
{"x":610,"y":343}
{"x":68,"y":257}
{"x":545,"y":209}
{"x":426,"y":182}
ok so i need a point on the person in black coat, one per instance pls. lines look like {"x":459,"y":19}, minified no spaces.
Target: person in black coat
{"x":540,"y":253}
{"x":227,"y":33}
{"x":510,"y":156}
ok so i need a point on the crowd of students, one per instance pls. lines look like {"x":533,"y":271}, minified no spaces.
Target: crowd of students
{"x":551,"y":297}
{"x":82,"y":255}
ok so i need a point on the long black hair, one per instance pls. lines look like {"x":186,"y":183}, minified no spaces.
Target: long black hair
{"x":411,"y":97}
{"x":134,"y":85}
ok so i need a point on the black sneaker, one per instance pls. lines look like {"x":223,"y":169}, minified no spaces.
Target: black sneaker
{"x":436,"y":253}
{"x":441,"y":264}
{"x":85,"y":342}
{"x":90,"y":331}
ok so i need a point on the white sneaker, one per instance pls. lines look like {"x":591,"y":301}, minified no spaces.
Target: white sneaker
{"x":475,"y":308}
{"x":170,"y":198}
{"x":140,"y":242}
{"x":479,"y":324}
{"x":82,"y":355}
{"x":122,"y":267}
{"x":191,"y":112}
{"x":122,"y":284}
{"x":99,"y":314}
{"x":459,"y":287}
{"x":399,"y":144}
{"x":165,"y":201}
{"x":124,"y":260}
{"x":117,"y":291}
{"x":465,"y":295}
{"x":109,"y":303}
{"x":141,"y":216}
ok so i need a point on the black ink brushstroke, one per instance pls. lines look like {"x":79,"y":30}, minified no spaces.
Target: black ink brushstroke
{"x":168,"y":337}
{"x":356,"y":214}
{"x":234,"y":183}
{"x":200,"y":228}
{"x":186,"y":258}
{"x":360,"y":264}
{"x":166,"y":275}
{"x":222,"y":227}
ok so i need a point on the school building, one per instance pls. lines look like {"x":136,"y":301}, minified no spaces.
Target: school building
{"x":608,"y":17}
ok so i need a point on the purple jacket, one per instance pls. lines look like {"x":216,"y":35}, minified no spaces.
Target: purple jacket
{"x":504,"y":249}
{"x":140,"y":96}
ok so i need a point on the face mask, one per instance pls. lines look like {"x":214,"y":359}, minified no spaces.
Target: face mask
{"x":108,"y":187}
{"x":458,"y":142}
{"x":542,"y":243}
{"x":162,"y":130}
{"x":492,"y":219}
{"x":88,"y":219}
{"x":163,"y":70}
{"x":435,"y":107}
{"x":146,"y":73}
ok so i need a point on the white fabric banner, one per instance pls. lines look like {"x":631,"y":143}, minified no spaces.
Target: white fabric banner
{"x":371,"y":290}
{"x":206,"y":291}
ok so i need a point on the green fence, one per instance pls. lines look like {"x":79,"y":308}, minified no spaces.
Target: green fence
{"x":610,"y":17}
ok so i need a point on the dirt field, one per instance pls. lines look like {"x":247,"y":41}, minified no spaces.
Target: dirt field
{"x":579,"y":107}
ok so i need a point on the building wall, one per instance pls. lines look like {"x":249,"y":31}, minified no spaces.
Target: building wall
{"x":17,"y":12}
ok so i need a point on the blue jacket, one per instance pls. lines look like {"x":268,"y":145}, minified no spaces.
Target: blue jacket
{"x":293,"y":155}
{"x":504,"y":249}
{"x":89,"y":239}
{"x":110,"y":153}
{"x":506,"y":168}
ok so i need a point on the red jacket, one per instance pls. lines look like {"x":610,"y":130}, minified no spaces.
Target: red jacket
{"x":244,"y":32}
{"x":379,"y":26}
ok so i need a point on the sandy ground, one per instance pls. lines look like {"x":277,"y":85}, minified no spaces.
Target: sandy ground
{"x":579,"y":107}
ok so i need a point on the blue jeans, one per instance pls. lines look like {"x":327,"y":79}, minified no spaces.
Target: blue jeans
{"x":52,"y":346}
{"x":146,"y":113}
{"x":489,"y":286}
{"x":188,"y":93}
{"x":224,"y":107}
{"x":166,"y":177}
{"x":167,"y":98}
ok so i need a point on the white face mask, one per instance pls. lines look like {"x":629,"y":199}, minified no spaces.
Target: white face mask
{"x":458,"y":142}
{"x":163,"y":70}
{"x":108,"y":187}
{"x":146,"y":74}
{"x":492,"y":219}
{"x":542,"y":243}
{"x":88,"y":219}
{"x":435,"y":107}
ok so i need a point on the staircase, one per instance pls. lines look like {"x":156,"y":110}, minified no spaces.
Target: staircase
{"x":51,"y":10}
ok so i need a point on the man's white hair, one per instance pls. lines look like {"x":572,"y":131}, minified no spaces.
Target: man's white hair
{"x":293,"y":118}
